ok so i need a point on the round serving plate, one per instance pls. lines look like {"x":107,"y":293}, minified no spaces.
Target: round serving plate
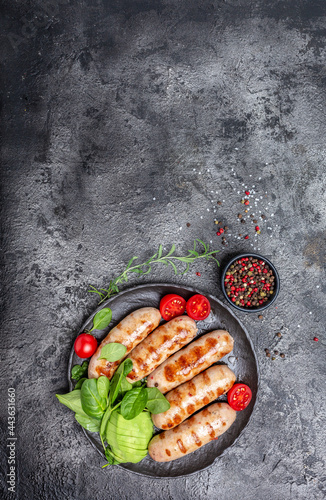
{"x":242,"y":361}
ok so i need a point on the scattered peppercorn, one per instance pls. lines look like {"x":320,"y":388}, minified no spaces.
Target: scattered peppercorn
{"x":273,"y":358}
{"x":198,"y":274}
{"x":260,"y":316}
{"x":219,"y":203}
{"x":188,"y":224}
{"x":247,"y":193}
{"x":221,"y":230}
{"x":279,"y":335}
{"x":240,"y":216}
{"x":246,"y":237}
{"x":282,"y":355}
{"x":316,"y":339}
{"x":243,"y":221}
{"x":255,"y":221}
{"x":268,"y":354}
{"x":246,"y":211}
{"x":216,"y":222}
{"x":266,"y":350}
{"x":251,"y":215}
{"x":276,"y":352}
{"x":247,"y":202}
{"x":263,"y":216}
{"x":240,"y":234}
{"x":257,"y":229}
{"x":226,"y":228}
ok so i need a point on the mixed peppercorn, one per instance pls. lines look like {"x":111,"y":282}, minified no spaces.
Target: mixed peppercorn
{"x":249,"y":282}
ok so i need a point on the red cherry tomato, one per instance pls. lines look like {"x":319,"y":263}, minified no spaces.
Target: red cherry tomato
{"x":239,"y":396}
{"x":171,"y":306}
{"x":198,"y":307}
{"x":85,"y":345}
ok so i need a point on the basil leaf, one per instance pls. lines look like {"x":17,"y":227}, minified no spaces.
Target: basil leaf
{"x":73,"y":401}
{"x":77,"y":371}
{"x":89,"y":423}
{"x":102,"y":319}
{"x":113,"y":351}
{"x":133,"y":403}
{"x":92,"y":403}
{"x":79,"y":383}
{"x":103,"y":386}
{"x":156,"y":402}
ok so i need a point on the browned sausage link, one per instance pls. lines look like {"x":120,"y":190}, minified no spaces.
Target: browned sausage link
{"x":194,"y":394}
{"x":129,"y":332}
{"x":195,"y":432}
{"x":191,"y":360}
{"x":160,"y":344}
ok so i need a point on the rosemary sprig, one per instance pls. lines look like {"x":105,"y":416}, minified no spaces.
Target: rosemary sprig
{"x":157,"y":258}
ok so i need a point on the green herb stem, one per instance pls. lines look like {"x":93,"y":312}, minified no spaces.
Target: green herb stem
{"x":157,"y":258}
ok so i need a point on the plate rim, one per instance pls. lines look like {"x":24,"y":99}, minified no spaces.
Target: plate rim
{"x":190,"y":289}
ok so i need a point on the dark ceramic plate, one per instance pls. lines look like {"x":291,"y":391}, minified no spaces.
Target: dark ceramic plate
{"x":242,"y":361}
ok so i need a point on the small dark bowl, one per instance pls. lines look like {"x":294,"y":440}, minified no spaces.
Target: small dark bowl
{"x":277,"y":283}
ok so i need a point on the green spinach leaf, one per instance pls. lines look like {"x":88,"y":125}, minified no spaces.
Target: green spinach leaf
{"x":111,"y":458}
{"x":92,"y":403}
{"x":113,"y":351}
{"x":119,"y":379}
{"x":102,"y":319}
{"x":125,"y":385}
{"x":156,"y":402}
{"x":72,"y":400}
{"x":89,"y":423}
{"x":126,"y":367}
{"x":103,"y":386}
{"x":133,"y":403}
{"x":78,"y":371}
{"x":79,"y":383}
{"x":115,"y":386}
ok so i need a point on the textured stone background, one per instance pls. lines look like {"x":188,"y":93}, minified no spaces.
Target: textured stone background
{"x":122,"y":121}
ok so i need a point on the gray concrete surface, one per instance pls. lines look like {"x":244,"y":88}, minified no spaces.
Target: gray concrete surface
{"x":122,"y":122}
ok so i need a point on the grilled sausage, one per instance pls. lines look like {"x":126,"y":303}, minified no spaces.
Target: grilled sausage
{"x":194,"y":394}
{"x":159,"y":345}
{"x":191,"y":360}
{"x":195,"y":432}
{"x":129,"y":332}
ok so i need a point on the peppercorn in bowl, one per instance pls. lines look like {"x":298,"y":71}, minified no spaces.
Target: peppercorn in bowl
{"x":250,"y":282}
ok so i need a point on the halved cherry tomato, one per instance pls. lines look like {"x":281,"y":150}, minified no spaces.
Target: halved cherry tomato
{"x":239,"y":396}
{"x":198,"y":307}
{"x":171,"y":306}
{"x":85,"y":345}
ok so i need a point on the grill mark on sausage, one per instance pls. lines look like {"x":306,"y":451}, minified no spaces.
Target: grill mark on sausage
{"x":206,"y":400}
{"x":181,"y":446}
{"x":177,"y":419}
{"x":206,"y":378}
{"x":190,"y":409}
{"x":168,"y":453}
{"x":195,"y":357}
{"x":162,"y":435}
{"x":196,"y":438}
{"x":211,"y":431}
